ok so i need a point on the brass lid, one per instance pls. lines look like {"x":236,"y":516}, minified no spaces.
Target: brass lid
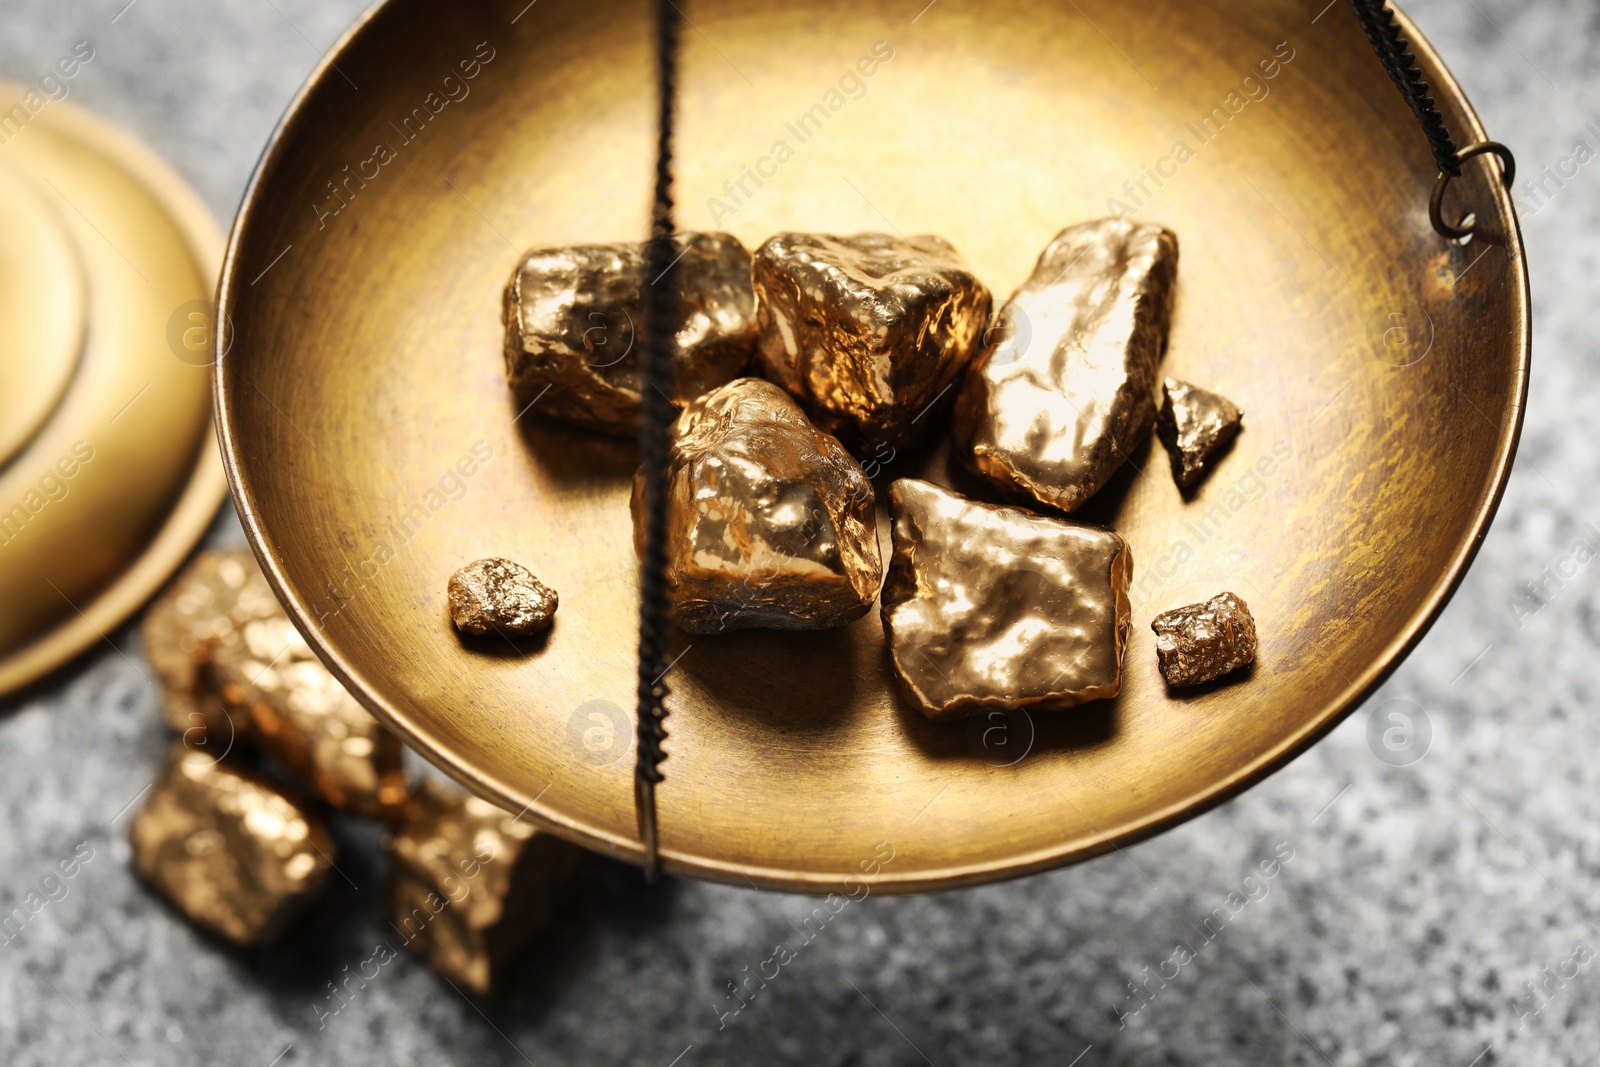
{"x":108,"y":469}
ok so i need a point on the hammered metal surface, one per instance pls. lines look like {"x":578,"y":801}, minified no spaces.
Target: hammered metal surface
{"x":868,"y":331}
{"x":770,"y":522}
{"x":1051,"y":413}
{"x":230,"y":850}
{"x":992,"y":608}
{"x":573,"y":316}
{"x":473,"y":883}
{"x":497,"y":596}
{"x":1195,"y":425}
{"x":1201,"y":642}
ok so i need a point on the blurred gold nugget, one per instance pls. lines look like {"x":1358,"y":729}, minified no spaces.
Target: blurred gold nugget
{"x":991,"y":608}
{"x":233,"y":667}
{"x":1201,"y":642}
{"x":868,"y":331}
{"x":770,"y":522}
{"x":228,"y":849}
{"x":1195,"y":425}
{"x":472,"y":884}
{"x":1053,"y":410}
{"x":574,"y":319}
{"x":497,"y":596}
{"x":299,"y":714}
{"x":214,"y":596}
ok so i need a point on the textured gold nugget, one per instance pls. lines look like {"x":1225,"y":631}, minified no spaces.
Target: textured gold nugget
{"x":869,"y":331}
{"x":1195,"y":426}
{"x":472,"y":884}
{"x":299,"y":714}
{"x":497,"y":596}
{"x":770,"y":522}
{"x":1199,"y":642}
{"x":214,"y":596}
{"x":229,"y":850}
{"x":990,"y":608}
{"x":1050,"y":414}
{"x":574,"y":321}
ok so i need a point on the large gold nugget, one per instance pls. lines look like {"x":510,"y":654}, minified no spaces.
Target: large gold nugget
{"x":228,"y":849}
{"x":472,"y":884}
{"x":1200,"y":642}
{"x":1196,"y":425}
{"x":990,"y":608}
{"x":301,"y":715}
{"x":869,"y":332}
{"x":770,"y":522}
{"x":214,"y":596}
{"x":1054,"y":409}
{"x":574,"y":321}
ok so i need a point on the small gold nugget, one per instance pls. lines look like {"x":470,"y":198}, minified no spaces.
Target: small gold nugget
{"x":472,"y":884}
{"x":214,"y":596}
{"x":1199,"y":642}
{"x":991,"y":608}
{"x":228,"y":849}
{"x":574,"y":321}
{"x":497,"y":596}
{"x":300,"y":715}
{"x":1195,"y":425}
{"x":1052,"y":411}
{"x":868,"y":331}
{"x":770,"y":522}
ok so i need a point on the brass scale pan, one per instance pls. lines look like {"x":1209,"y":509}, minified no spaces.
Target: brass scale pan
{"x":373,"y":446}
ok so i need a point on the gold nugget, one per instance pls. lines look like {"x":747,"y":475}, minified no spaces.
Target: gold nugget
{"x":497,"y":596}
{"x":770,"y":522}
{"x":472,"y":884}
{"x":228,"y":849}
{"x":868,"y":332}
{"x":991,"y":608}
{"x":299,"y":714}
{"x":574,"y":321}
{"x":1200,"y":642}
{"x":1195,"y":425}
{"x":1053,"y":410}
{"x":214,"y":596}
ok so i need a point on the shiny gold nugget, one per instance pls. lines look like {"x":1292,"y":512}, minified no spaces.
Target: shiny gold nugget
{"x":214,"y":596}
{"x":299,"y":714}
{"x":1054,"y":409}
{"x":770,"y":522}
{"x":868,"y":332}
{"x":497,"y":596}
{"x":1199,"y":642}
{"x":1195,"y":425}
{"x":472,"y":884}
{"x":574,"y":320}
{"x":990,"y":608}
{"x":229,"y":850}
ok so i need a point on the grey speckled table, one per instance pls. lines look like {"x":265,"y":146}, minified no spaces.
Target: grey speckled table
{"x":1404,"y":930}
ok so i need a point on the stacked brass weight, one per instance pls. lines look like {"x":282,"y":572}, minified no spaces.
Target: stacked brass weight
{"x":770,"y":522}
{"x":229,"y":849}
{"x":868,"y":332}
{"x":1051,"y":413}
{"x":1196,"y":425}
{"x":574,"y":320}
{"x":992,"y":608}
{"x":1199,"y":643}
{"x":232,"y":663}
{"x":472,"y":884}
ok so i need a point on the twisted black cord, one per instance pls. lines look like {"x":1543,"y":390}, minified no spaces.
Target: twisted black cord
{"x":1395,"y":51}
{"x":660,"y":300}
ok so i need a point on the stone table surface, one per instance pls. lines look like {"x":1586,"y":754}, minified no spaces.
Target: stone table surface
{"x":1417,"y":909}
